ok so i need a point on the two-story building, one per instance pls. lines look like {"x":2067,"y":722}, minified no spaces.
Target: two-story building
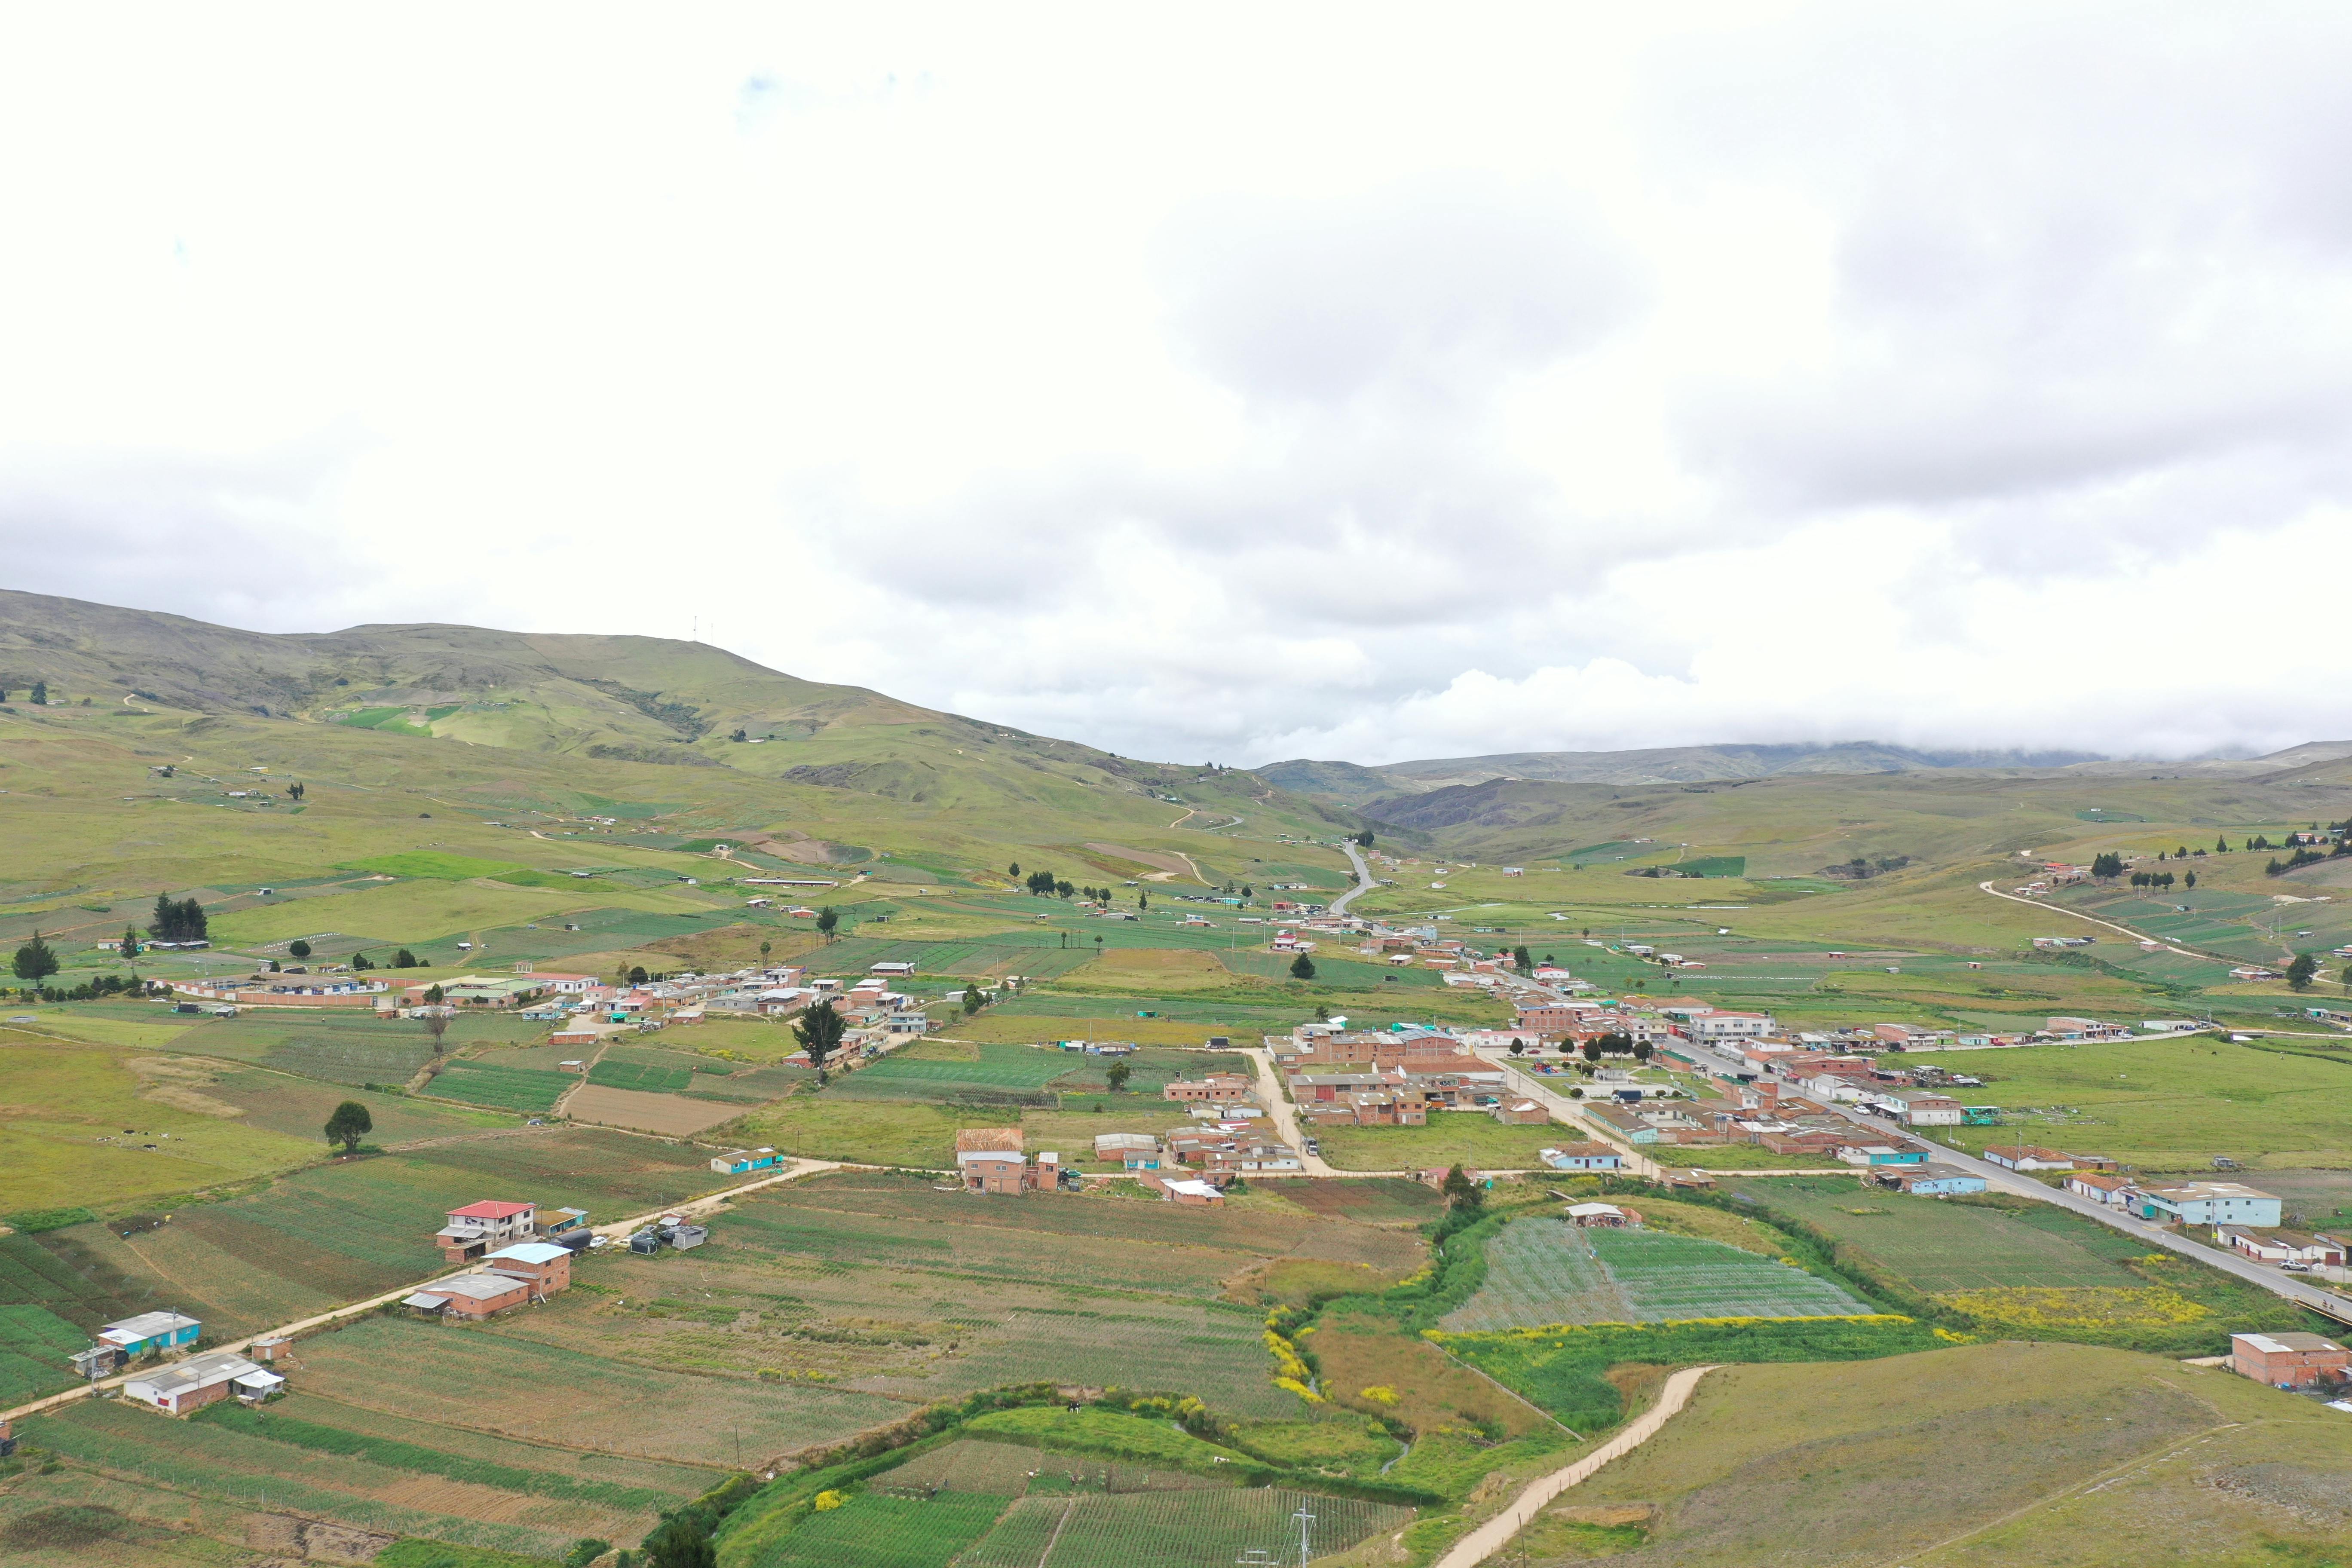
{"x":991,"y":1160}
{"x":477,"y":1227}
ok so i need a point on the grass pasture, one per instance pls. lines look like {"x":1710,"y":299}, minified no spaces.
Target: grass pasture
{"x":1736,"y":1477}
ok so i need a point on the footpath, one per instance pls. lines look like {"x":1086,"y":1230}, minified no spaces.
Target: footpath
{"x":1495,"y":1533}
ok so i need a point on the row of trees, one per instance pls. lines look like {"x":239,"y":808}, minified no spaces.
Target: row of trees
{"x":38,"y":696}
{"x":182,"y":921}
{"x":2158,"y":879}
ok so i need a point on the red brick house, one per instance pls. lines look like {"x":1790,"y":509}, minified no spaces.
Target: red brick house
{"x":2287,"y":1361}
{"x":991,"y":1160}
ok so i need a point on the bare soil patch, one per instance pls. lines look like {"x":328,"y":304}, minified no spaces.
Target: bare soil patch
{"x":643,"y":1113}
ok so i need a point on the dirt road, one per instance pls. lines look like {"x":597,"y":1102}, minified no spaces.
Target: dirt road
{"x":1495,"y":1533}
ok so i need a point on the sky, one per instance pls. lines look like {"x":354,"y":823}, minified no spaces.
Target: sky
{"x":1225,"y":382}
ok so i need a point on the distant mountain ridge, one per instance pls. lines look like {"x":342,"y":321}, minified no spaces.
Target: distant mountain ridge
{"x":611,"y":699}
{"x":1356,"y":784}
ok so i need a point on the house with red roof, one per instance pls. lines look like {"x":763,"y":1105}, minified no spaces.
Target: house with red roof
{"x":477,"y":1227}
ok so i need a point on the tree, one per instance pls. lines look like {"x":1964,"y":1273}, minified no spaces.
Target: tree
{"x":1520,"y":958}
{"x":1117,"y":1073}
{"x":36,"y":961}
{"x":349,"y":1124}
{"x":1642,"y":1050}
{"x":360,"y":961}
{"x":1302,"y":968}
{"x":1518,"y":1046}
{"x":1064,"y":888}
{"x":182,"y":921}
{"x":819,"y":1033}
{"x":130,"y":942}
{"x":298,"y":948}
{"x":434,"y":994}
{"x":40,"y":694}
{"x":677,"y":1543}
{"x":1013,"y":869}
{"x":403,"y":959}
{"x":2189,"y":881}
{"x":637,"y":976}
{"x":973,"y":1000}
{"x":2221,"y":846}
{"x":1365,"y":838}
{"x":1461,"y":1192}
{"x":437,"y":1024}
{"x":1591,"y":1049}
{"x":1142,"y":900}
{"x":766,"y":947}
{"x":2346,"y":978}
{"x":2299,"y":973}
{"x":2107,"y":865}
{"x":828,"y":920}
{"x":738,"y":735}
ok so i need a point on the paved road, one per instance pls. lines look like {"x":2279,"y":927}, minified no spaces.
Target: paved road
{"x":1365,"y":882}
{"x":618,"y":1229}
{"x":2272,"y":1279}
{"x":1495,"y":1533}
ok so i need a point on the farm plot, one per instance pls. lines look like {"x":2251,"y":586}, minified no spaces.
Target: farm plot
{"x":1939,"y":1245}
{"x":1200,"y":1528}
{"x":519,"y":1388}
{"x":761,"y":1222}
{"x":655,"y":1072}
{"x":207,"y":1461}
{"x":299,"y":1107}
{"x":673,"y":1115}
{"x":1540,"y":1271}
{"x":996,"y":1066}
{"x":1117,"y":1219}
{"x":509,"y":1089}
{"x":34,"y":1345}
{"x":874,"y":1529}
{"x":651,"y":1477}
{"x":1667,"y":1279}
{"x":1376,"y":1200}
{"x":351,"y":1057}
{"x":751,"y":1085}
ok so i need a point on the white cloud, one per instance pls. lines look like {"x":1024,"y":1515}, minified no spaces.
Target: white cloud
{"x":1320,"y":381}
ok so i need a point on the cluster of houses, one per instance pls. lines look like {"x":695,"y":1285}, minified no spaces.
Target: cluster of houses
{"x":1394,"y":1078}
{"x":520,"y":1253}
{"x":182,"y":1386}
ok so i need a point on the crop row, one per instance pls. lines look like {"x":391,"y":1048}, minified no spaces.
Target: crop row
{"x":399,"y":1456}
{"x":876,"y":1530}
{"x":504,"y":1089}
{"x":129,"y":1442}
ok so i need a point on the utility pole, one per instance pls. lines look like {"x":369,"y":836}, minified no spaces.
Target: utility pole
{"x":1305,"y":1524}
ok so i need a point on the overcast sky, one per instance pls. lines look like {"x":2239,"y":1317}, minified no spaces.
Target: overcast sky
{"x":1229,"y":383}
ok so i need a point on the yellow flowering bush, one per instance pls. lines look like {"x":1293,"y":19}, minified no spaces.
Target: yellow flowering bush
{"x":1379,"y":1393}
{"x":827,"y":1502}
{"x":2078,"y":1307}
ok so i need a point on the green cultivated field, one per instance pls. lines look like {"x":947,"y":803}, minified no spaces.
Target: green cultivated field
{"x":509,"y":1089}
{"x":1543,"y":1271}
{"x":1939,"y":1245}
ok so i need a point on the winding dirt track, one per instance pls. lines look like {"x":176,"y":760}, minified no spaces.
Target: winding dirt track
{"x":1495,"y":1533}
